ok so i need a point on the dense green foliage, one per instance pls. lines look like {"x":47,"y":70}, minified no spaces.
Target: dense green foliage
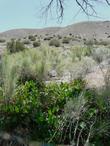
{"x":61,"y":113}
{"x":39,"y":106}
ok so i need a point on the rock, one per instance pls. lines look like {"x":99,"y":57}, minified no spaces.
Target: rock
{"x":66,"y":77}
{"x":7,"y":139}
{"x":52,"y":74}
{"x":96,"y":79}
{"x":105,"y":64}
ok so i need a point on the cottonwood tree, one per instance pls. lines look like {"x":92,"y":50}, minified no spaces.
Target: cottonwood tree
{"x":87,"y":6}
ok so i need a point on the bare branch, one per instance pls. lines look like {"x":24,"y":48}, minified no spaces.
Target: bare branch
{"x":87,"y":6}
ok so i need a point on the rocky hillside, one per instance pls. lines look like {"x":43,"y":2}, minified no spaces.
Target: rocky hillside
{"x":90,"y":29}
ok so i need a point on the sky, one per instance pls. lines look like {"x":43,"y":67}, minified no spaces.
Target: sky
{"x":28,"y":14}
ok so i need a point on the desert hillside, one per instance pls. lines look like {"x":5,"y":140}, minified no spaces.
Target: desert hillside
{"x":91,"y":29}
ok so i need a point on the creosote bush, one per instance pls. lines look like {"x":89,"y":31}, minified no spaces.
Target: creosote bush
{"x":26,"y":42}
{"x":54,"y":42}
{"x":66,"y":40}
{"x":31,"y":38}
{"x":2,"y":40}
{"x":36,"y":44}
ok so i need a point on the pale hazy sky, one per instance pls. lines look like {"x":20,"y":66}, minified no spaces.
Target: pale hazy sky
{"x":27,"y":14}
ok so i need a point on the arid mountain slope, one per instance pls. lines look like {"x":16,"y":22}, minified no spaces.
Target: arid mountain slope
{"x":90,"y":29}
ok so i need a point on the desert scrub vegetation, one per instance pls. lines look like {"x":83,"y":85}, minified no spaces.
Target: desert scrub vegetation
{"x":35,"y":64}
{"x":66,"y":40}
{"x":36,"y":43}
{"x":2,"y":40}
{"x":15,"y":46}
{"x":31,"y":38}
{"x":54,"y":42}
{"x":100,"y":54}
{"x":64,"y":113}
{"x":48,"y":38}
{"x":26,"y":42}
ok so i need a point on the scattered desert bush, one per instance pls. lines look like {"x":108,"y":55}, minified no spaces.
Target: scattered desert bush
{"x":2,"y":40}
{"x":66,"y":40}
{"x":31,"y":38}
{"x":48,"y":38}
{"x":15,"y":46}
{"x":36,"y":44}
{"x":26,"y":42}
{"x":100,"y":54}
{"x":103,"y":43}
{"x":36,"y":35}
{"x":59,"y":37}
{"x":54,"y":42}
{"x":89,"y":42}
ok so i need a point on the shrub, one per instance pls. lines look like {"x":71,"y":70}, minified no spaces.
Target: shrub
{"x":104,"y":43}
{"x":54,"y":42}
{"x":38,"y":106}
{"x":36,"y":44}
{"x":36,"y":35}
{"x":66,"y":40}
{"x":31,"y":37}
{"x":89,"y":42}
{"x":47,"y":38}
{"x":59,"y":37}
{"x":26,"y":42}
{"x":15,"y":46}
{"x":2,"y":40}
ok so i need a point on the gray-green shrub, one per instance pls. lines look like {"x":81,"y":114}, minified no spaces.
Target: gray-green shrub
{"x":54,"y":42}
{"x":36,"y":44}
{"x":66,"y":40}
{"x":2,"y":40}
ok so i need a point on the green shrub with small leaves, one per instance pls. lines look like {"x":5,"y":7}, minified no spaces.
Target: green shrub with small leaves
{"x":38,"y":106}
